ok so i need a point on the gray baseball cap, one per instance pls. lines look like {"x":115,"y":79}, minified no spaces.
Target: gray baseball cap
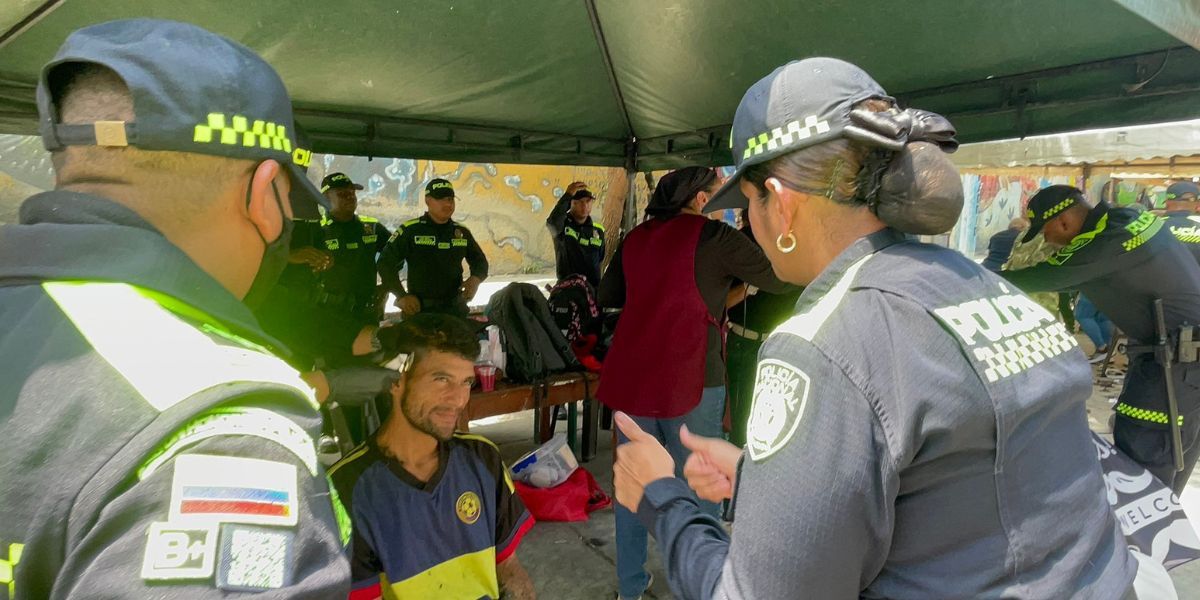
{"x":193,"y":91}
{"x":1183,"y":189}
{"x":801,"y":104}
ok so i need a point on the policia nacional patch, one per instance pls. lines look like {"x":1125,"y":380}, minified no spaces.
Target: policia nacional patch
{"x":780,"y":395}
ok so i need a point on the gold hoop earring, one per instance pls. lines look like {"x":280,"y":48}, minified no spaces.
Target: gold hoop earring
{"x":791,"y":245}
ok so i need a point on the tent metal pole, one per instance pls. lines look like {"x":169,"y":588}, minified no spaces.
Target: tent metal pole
{"x":629,"y":219}
{"x":30,"y":20}
{"x":365,"y":118}
{"x":598,"y":32}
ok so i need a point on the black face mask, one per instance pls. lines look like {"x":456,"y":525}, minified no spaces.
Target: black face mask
{"x":275,"y":257}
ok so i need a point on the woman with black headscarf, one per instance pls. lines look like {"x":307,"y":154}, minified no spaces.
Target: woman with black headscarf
{"x":671,"y":275}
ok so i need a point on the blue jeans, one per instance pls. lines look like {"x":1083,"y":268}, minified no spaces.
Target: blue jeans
{"x":1093,"y":322}
{"x":704,"y":420}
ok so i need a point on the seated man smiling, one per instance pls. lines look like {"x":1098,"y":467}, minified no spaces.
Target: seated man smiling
{"x":434,"y":511}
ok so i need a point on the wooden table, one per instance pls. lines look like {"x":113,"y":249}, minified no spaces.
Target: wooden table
{"x":566,"y":388}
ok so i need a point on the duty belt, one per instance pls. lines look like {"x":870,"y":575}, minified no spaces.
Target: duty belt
{"x":749,"y":334}
{"x":1184,"y":345}
{"x":347,"y":301}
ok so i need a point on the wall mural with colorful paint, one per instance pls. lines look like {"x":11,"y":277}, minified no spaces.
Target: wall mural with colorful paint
{"x":505,"y":206}
{"x":991,"y":202}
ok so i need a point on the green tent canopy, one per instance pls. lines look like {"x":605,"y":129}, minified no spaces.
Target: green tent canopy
{"x":653,"y":84}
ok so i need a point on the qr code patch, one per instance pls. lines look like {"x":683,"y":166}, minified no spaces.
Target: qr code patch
{"x":257,"y":559}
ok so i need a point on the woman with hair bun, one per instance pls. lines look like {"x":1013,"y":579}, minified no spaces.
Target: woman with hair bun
{"x":918,"y":427}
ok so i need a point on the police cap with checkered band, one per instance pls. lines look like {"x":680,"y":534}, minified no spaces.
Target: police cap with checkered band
{"x":192,"y":90}
{"x":801,"y":104}
{"x":1047,"y":204}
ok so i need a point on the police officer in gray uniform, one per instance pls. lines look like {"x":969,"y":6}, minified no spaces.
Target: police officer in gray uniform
{"x":918,"y":427}
{"x":153,"y":446}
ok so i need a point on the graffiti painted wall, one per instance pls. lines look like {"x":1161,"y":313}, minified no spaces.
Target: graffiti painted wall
{"x":992,"y":199}
{"x":505,"y":206}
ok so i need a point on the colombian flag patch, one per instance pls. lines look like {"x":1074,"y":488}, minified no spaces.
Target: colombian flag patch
{"x":226,"y":489}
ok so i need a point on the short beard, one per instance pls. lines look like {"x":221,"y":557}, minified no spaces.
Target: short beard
{"x":422,"y":425}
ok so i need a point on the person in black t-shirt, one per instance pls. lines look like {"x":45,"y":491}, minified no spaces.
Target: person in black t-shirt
{"x":750,"y":321}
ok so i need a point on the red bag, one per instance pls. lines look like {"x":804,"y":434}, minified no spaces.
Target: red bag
{"x":570,"y":500}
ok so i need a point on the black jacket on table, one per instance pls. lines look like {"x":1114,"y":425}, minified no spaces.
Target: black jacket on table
{"x":1123,"y":261}
{"x":152,"y":446}
{"x":578,"y":247}
{"x":1185,"y":226}
{"x":434,"y":254}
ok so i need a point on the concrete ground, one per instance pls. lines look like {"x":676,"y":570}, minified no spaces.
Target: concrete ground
{"x":569,"y":561}
{"x":576,"y":561}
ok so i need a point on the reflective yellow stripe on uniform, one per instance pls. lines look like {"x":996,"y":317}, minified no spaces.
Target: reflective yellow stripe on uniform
{"x":164,"y":358}
{"x":257,"y":422}
{"x":1081,"y":240}
{"x":8,"y":568}
{"x":808,"y":324}
{"x":1142,"y":414}
{"x":167,"y":360}
{"x":345,"y":528}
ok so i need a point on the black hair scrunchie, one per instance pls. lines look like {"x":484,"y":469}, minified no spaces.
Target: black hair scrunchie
{"x":908,"y":181}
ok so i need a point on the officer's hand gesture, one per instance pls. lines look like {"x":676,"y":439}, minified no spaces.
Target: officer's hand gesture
{"x":575,"y":187}
{"x":711,"y":469}
{"x":317,"y":260}
{"x":470,"y":287}
{"x":409,"y":305}
{"x":640,"y":462}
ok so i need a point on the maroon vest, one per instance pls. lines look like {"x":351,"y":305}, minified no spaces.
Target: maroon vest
{"x":655,"y":366}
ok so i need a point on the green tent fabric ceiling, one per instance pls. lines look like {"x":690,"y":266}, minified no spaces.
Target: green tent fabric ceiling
{"x":653,"y":84}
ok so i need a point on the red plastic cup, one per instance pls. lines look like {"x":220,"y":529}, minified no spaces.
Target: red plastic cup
{"x":486,"y":374}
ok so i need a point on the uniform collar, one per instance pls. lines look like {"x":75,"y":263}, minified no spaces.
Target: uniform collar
{"x":428,"y":220}
{"x":327,"y":220}
{"x":1094,"y":216}
{"x":66,"y":236}
{"x":864,"y":246}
